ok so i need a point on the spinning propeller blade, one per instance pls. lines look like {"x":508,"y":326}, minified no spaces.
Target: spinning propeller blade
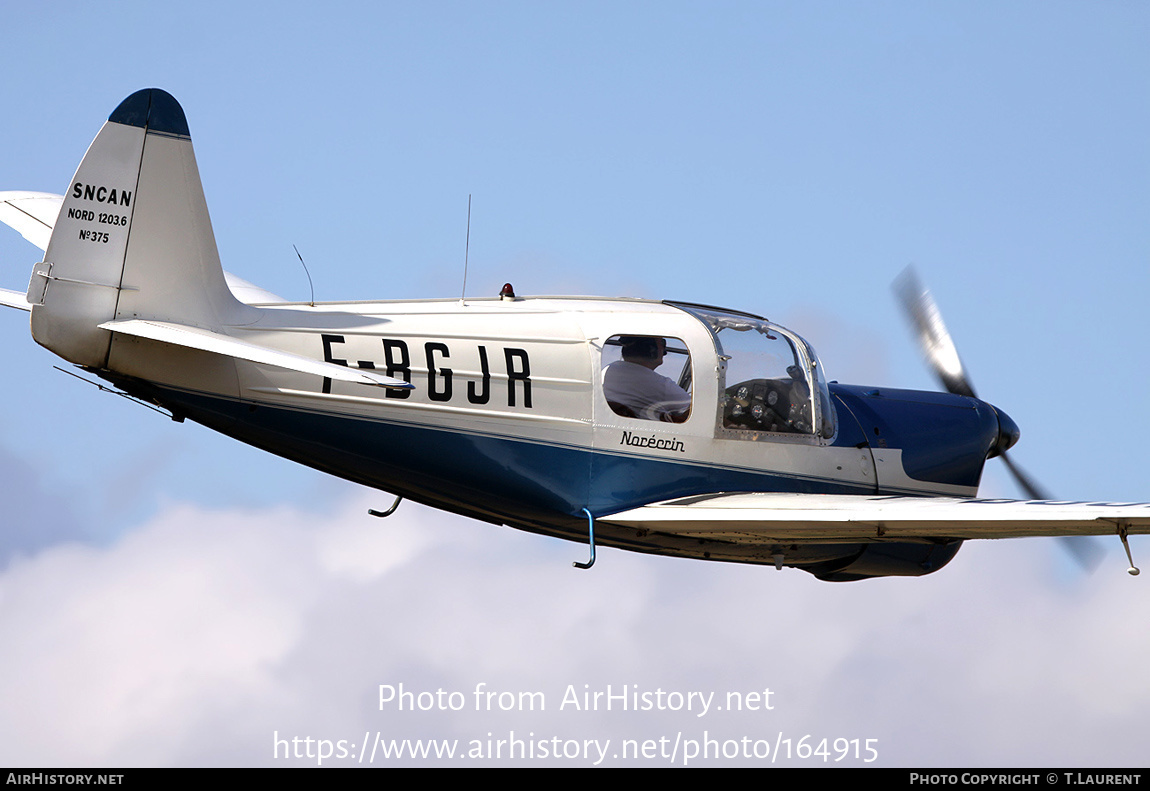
{"x":1086,"y":550}
{"x":933,"y":339}
{"x":942,"y":356}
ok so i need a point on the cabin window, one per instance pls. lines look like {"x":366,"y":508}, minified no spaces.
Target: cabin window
{"x":647,"y":377}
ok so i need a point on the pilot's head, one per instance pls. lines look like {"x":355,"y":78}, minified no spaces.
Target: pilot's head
{"x":644,"y":350}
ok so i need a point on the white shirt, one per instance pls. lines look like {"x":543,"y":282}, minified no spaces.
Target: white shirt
{"x":649,"y":395}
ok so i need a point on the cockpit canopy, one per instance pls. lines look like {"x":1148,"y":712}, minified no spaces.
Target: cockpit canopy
{"x":771,"y":381}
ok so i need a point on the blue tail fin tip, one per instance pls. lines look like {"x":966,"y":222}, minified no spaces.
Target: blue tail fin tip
{"x":153,"y":109}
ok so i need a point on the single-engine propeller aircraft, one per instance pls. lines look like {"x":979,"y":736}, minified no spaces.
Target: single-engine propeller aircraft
{"x":542,"y":413}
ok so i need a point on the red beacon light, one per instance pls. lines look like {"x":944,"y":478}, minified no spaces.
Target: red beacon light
{"x":507,"y":292}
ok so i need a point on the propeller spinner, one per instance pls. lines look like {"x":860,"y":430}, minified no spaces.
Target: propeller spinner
{"x":942,"y":356}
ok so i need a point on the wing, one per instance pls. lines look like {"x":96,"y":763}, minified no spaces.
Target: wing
{"x":811,"y":518}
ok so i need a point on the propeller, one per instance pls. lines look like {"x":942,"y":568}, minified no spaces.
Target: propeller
{"x":942,"y":356}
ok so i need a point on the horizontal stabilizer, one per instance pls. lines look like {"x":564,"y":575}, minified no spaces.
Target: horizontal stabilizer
{"x":757,"y":518}
{"x":32,"y":214}
{"x":14,"y":299}
{"x":207,"y":341}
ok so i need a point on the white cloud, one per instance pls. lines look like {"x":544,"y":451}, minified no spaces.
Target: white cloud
{"x":196,"y":637}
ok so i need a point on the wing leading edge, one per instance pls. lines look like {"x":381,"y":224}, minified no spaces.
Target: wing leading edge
{"x":770,"y":517}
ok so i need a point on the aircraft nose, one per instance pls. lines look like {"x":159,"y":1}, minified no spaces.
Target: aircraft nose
{"x":1008,"y":434}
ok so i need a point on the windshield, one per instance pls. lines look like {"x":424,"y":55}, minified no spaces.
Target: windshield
{"x":770,"y":378}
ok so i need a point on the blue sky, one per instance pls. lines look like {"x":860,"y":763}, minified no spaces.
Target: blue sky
{"x":788,"y":159}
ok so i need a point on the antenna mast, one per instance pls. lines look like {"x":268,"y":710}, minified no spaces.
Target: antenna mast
{"x":466,"y":251}
{"x":309,"y":283}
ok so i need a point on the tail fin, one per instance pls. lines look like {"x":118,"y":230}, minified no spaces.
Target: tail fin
{"x":133,"y":239}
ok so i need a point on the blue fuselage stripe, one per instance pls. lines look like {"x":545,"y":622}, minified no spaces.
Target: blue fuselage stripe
{"x":471,"y":472}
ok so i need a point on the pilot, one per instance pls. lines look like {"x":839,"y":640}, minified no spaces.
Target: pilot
{"x":634,"y":389}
